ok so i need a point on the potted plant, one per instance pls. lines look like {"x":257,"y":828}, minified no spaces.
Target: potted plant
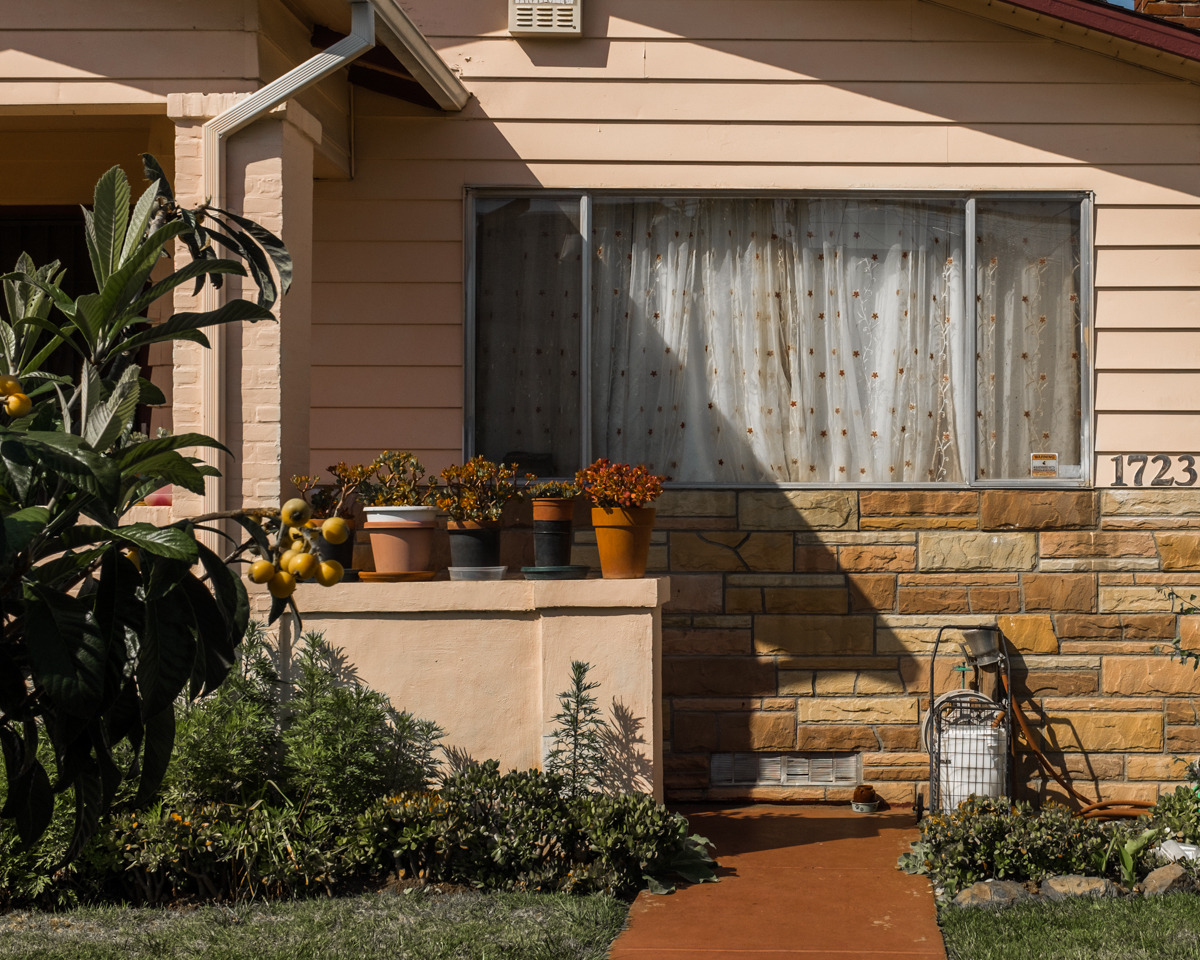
{"x":553,"y":528}
{"x":334,"y":500}
{"x":620,"y":494}
{"x":473,"y":495}
{"x":398,"y":501}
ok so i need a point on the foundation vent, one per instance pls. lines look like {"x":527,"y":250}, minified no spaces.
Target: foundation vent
{"x":545,"y":18}
{"x":786,"y":770}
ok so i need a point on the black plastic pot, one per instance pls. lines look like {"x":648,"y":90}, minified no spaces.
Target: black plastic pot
{"x":343,"y":552}
{"x":473,"y":545}
{"x":552,"y":543}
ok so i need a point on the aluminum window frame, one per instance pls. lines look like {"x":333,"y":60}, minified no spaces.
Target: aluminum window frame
{"x":1084,"y":198}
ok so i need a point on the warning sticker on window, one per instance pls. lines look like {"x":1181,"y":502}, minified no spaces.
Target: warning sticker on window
{"x":1043,"y":466}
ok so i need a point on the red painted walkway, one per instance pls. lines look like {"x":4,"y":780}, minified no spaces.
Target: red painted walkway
{"x":797,"y":883}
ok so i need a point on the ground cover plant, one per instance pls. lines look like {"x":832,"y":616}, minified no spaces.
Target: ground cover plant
{"x":987,"y":839}
{"x":418,"y":925}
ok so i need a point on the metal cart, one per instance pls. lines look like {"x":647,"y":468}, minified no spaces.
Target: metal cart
{"x":967,"y":730}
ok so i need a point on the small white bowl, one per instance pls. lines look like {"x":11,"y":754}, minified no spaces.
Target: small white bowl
{"x":477,"y":573}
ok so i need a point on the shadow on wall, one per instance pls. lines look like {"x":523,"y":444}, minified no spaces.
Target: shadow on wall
{"x":628,"y":767}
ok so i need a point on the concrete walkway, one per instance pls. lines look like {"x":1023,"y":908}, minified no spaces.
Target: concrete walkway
{"x":797,"y":883}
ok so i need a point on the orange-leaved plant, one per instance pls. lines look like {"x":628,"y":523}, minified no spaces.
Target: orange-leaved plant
{"x":476,"y":490}
{"x":608,"y":484}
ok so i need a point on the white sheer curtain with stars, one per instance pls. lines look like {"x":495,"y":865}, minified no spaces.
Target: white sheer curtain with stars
{"x":739,"y":340}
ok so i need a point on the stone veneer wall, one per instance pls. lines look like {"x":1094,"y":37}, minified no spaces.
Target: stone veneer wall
{"x":804,"y":620}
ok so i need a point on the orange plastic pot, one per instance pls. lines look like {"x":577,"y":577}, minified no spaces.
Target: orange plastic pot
{"x":623,"y":539}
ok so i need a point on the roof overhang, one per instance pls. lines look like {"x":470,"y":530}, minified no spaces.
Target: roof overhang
{"x":1099,"y":26}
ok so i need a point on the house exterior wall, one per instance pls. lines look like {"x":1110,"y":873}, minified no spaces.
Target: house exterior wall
{"x":804,"y":619}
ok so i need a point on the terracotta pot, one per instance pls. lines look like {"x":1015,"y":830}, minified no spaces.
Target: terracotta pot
{"x":553,"y":508}
{"x":401,"y":546}
{"x":474,"y":543}
{"x":623,"y":539}
{"x":408,"y":514}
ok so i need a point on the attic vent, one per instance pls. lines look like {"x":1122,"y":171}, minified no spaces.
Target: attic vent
{"x":789,"y":770}
{"x":545,"y":17}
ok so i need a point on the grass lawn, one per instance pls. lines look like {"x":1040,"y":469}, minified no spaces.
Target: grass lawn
{"x":1156,"y":928}
{"x":417,"y":926}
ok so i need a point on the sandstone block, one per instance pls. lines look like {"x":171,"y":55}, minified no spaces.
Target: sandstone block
{"x":815,"y":558}
{"x":757,"y":731}
{"x":940,"y":522}
{"x":835,"y":737}
{"x":690,"y":640}
{"x":805,"y":600}
{"x":870,"y":592}
{"x":697,"y":503}
{"x":1029,"y":634}
{"x":978,"y":551}
{"x":858,"y":710}
{"x":837,"y":663}
{"x":1037,"y":509}
{"x":1155,"y":768}
{"x":897,"y":737}
{"x":1179,"y":551}
{"x":1112,"y":732}
{"x":694,"y":731}
{"x":879,"y":682}
{"x":1154,"y":675}
{"x":1133,"y":600}
{"x":785,"y":580}
{"x":1183,"y":739}
{"x":1053,"y":704}
{"x":743,"y":600}
{"x":906,"y":502}
{"x":1153,"y":626}
{"x":902,"y":639}
{"x":694,"y":593}
{"x":797,"y":683}
{"x":717,"y":676}
{"x":893,"y":558}
{"x":933,"y":600}
{"x":897,"y":774}
{"x":797,"y":510}
{"x":1092,"y":543}
{"x":812,"y":635}
{"x":835,"y":682}
{"x":778,"y":703}
{"x":723,"y":622}
{"x":1059,"y":592}
{"x":1061,"y":683}
{"x":720,"y":550}
{"x":1075,"y":627}
{"x":841,"y":538}
{"x":995,"y":599}
{"x":1182,"y":711}
{"x":1149,"y":503}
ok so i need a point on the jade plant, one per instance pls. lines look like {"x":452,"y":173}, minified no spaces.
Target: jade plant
{"x":397,"y":479}
{"x":614,"y":485}
{"x":476,"y":491}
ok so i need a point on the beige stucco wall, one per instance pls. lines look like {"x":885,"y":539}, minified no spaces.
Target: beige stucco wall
{"x":755,"y":95}
{"x":486,"y":661}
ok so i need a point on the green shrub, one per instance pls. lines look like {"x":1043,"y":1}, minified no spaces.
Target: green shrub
{"x":344,"y":745}
{"x":217,"y":852}
{"x":990,"y":839}
{"x":227,"y":746}
{"x":1180,"y":813}
{"x":519,"y":831}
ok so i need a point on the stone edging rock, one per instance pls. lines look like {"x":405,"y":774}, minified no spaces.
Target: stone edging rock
{"x":996,"y":894}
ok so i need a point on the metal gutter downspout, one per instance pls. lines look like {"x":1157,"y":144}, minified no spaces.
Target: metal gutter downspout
{"x":215,"y":132}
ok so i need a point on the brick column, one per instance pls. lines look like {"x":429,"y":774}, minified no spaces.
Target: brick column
{"x":268,"y":177}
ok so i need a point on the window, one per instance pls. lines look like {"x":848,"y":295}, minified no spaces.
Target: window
{"x":783,"y":340}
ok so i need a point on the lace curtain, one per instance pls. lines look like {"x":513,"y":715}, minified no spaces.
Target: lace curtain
{"x":739,"y":340}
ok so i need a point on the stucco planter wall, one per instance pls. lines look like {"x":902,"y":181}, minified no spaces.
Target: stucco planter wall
{"x":487,"y":660}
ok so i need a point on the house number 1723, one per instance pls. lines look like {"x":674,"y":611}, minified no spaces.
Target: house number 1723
{"x":1160,"y":464}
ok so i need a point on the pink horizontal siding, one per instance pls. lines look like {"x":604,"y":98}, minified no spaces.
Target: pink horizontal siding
{"x":764,"y":95}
